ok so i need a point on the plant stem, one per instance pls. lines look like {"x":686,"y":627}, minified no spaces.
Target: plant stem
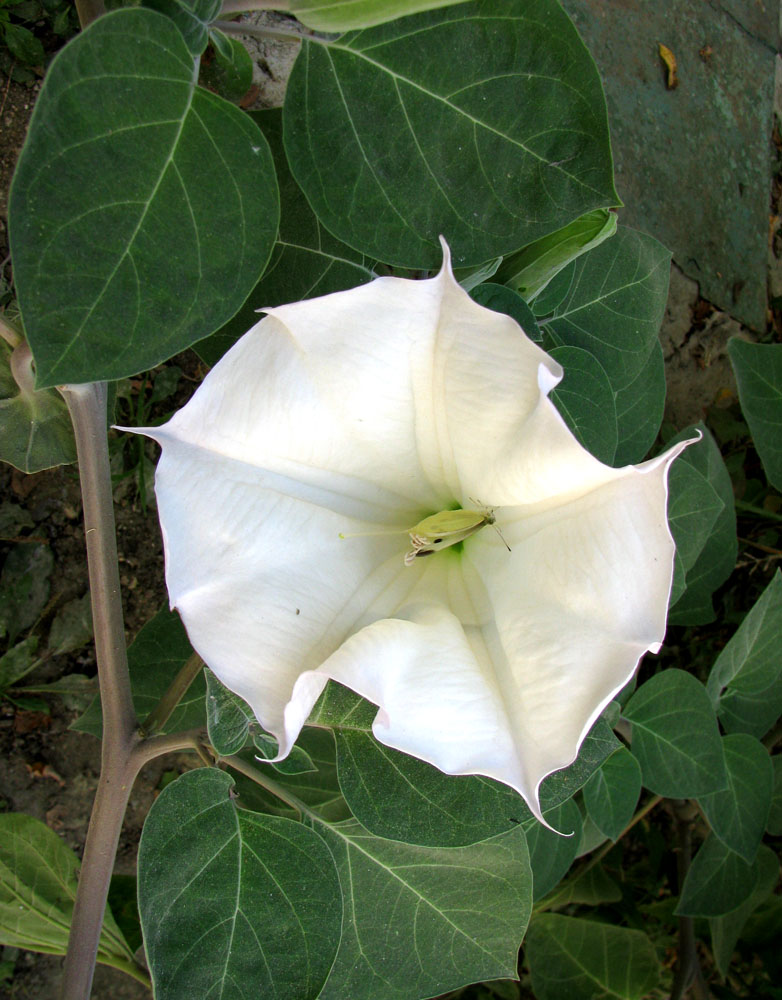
{"x":255,"y":31}
{"x":87,"y":406}
{"x":177,"y":689}
{"x":155,"y":746}
{"x":750,"y":508}
{"x":260,"y":778}
{"x":89,"y":11}
{"x":688,"y":971}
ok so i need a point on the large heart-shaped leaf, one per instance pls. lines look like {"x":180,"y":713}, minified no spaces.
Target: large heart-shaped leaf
{"x":123,"y":252}
{"x":419,"y":921}
{"x":230,"y":898}
{"x":484,"y":122}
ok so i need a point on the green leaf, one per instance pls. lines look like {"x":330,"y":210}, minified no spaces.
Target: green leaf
{"x":432,"y":125}
{"x":583,"y":960}
{"x":774,"y":826}
{"x":614,"y":304}
{"x":406,"y":799}
{"x":17,"y":661}
{"x":248,"y":899}
{"x":611,"y":794}
{"x":24,"y":586}
{"x":502,"y":299}
{"x":420,"y":921}
{"x":551,"y":854}
{"x":530,"y":269}
{"x":585,"y":401}
{"x":639,"y":410}
{"x":344,"y":15}
{"x":717,"y":882}
{"x":758,"y":369}
{"x":192,"y":17}
{"x":35,"y":428}
{"x":745,"y":683}
{"x":675,"y":737}
{"x":738,"y":815}
{"x":38,"y":878}
{"x":726,"y":930}
{"x":155,"y":657}
{"x":340,"y":708}
{"x":114,"y":196}
{"x":230,"y":73}
{"x":72,"y":626}
{"x":23,"y":45}
{"x":694,"y":507}
{"x":718,"y":556}
{"x":306,"y":261}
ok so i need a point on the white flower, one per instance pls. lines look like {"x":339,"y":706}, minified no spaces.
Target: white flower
{"x":287,"y":490}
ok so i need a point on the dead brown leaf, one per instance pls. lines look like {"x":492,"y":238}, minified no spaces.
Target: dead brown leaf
{"x":670,"y":64}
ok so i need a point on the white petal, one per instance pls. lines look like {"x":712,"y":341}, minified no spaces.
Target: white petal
{"x":580,"y":598}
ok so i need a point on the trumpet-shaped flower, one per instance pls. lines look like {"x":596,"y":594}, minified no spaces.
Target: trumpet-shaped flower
{"x":341,"y":441}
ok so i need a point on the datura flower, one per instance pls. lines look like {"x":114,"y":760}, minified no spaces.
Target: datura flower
{"x":373,"y":487}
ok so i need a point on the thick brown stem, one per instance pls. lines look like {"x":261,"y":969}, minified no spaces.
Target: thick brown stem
{"x":87,"y":405}
{"x":688,"y":971}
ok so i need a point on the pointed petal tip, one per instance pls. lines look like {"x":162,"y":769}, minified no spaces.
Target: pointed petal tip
{"x":150,"y":432}
{"x":447,"y":267}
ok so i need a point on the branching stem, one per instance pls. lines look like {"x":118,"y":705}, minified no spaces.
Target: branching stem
{"x":161,"y":713}
{"x":123,"y":752}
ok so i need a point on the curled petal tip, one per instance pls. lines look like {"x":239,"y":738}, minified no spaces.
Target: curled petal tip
{"x":447,"y":267}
